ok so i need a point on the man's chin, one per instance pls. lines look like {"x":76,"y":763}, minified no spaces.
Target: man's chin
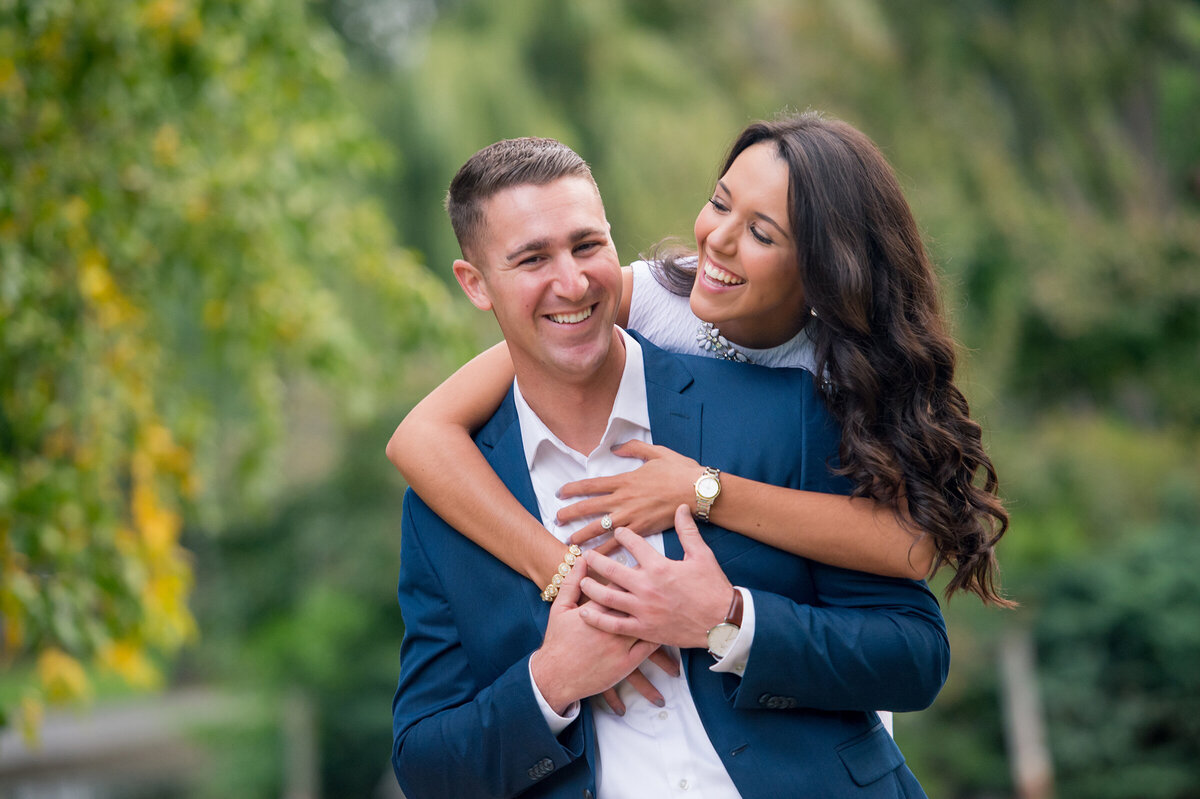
{"x":579,"y":363}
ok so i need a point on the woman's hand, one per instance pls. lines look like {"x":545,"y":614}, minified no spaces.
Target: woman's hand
{"x":643,"y":500}
{"x":642,"y":684}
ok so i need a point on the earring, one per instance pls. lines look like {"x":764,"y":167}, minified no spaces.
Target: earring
{"x":813,"y":311}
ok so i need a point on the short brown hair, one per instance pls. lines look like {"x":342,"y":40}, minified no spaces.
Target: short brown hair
{"x":499,"y":166}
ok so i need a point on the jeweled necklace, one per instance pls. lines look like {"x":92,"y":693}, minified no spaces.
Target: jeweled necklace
{"x":709,"y":338}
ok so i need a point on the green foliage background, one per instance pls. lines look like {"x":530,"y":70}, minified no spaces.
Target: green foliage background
{"x":225,"y":276}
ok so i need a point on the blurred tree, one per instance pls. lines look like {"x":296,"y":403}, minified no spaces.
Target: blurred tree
{"x":1120,"y":639}
{"x":306,"y":603}
{"x":180,"y":237}
{"x":177,"y":242}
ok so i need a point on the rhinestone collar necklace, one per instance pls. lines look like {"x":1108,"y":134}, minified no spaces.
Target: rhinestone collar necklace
{"x":709,"y":338}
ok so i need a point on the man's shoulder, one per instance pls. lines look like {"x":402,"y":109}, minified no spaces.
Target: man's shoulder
{"x":488,"y":437}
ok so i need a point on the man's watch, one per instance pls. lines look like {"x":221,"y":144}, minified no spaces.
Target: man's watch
{"x":708,"y":488}
{"x":721,"y":637}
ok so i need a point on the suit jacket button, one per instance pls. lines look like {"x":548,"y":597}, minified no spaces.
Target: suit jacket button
{"x":587,"y":793}
{"x":765,"y":700}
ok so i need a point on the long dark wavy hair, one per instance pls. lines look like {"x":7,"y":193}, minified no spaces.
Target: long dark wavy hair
{"x":881,"y":341}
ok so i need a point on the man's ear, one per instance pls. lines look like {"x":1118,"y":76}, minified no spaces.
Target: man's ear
{"x":473,"y":284}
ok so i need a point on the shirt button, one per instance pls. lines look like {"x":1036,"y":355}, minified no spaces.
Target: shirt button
{"x":662,"y":714}
{"x":683,"y":785}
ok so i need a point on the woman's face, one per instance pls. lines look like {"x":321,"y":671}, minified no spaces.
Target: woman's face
{"x":747,"y":281}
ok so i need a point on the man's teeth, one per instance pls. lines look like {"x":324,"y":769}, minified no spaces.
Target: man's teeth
{"x":571,"y":318}
{"x":721,"y":276}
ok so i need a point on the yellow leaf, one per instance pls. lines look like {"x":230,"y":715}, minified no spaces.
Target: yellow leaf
{"x":62,"y":676}
{"x":128,"y":661}
{"x":94,"y":280}
{"x":158,"y":525}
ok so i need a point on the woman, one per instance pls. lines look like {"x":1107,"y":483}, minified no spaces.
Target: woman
{"x":807,"y":255}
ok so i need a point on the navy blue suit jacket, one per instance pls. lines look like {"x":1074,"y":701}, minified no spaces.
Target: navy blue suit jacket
{"x":830,"y":645}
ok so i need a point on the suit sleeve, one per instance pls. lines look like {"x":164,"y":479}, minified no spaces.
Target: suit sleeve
{"x":866,"y":643}
{"x":452,"y":736}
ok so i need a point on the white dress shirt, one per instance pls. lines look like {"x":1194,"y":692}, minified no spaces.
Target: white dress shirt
{"x":649,"y":751}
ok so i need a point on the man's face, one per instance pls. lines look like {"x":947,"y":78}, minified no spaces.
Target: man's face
{"x":546,"y":266}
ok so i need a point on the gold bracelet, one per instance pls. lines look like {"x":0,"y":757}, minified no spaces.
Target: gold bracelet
{"x":564,"y":568}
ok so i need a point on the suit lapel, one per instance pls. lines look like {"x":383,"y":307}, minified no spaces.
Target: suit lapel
{"x":674,"y":416}
{"x":507,"y":458}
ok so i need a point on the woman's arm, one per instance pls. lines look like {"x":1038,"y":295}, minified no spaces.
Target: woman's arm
{"x":626,"y":296}
{"x":433,"y":449}
{"x":858,"y":534}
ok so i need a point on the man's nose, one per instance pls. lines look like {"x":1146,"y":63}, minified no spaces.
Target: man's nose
{"x":570,"y":280}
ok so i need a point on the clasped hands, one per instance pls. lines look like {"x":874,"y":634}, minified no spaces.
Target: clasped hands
{"x":591,"y":646}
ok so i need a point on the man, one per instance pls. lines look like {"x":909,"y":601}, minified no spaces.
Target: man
{"x":494,"y":683}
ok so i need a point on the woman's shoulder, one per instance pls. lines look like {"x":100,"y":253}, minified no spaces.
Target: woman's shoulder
{"x":658,"y":314}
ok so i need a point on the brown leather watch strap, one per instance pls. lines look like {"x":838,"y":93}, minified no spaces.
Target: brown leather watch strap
{"x":734,"y":616}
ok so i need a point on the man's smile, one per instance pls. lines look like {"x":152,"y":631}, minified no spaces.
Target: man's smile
{"x":573,"y":317}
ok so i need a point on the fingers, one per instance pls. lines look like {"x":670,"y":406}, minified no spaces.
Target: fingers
{"x":608,"y":547}
{"x":569,"y":592}
{"x":689,"y":535}
{"x":584,"y":508}
{"x":642,"y":649}
{"x":646,"y":688}
{"x":609,"y":569}
{"x":613,"y":699}
{"x":662,"y":658}
{"x":587,"y":533}
{"x":614,"y":598}
{"x":589,"y":487}
{"x":608,"y":621}
{"x":637,"y":449}
{"x":639,"y":547}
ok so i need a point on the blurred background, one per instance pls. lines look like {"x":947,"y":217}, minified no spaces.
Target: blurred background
{"x":224,"y":278}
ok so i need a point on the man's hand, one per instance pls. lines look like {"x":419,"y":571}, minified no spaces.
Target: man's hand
{"x":577,"y":660}
{"x":673,"y":602}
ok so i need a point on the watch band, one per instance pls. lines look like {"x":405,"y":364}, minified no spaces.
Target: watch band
{"x":704,"y":502}
{"x":736,"y":608}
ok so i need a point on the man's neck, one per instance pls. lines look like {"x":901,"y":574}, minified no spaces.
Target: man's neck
{"x":576,"y":409}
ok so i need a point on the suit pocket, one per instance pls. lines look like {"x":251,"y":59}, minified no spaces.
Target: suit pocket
{"x":870,"y":756}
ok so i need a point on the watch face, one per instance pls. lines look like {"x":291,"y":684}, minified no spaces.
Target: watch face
{"x":707,"y":487}
{"x":721,"y":638}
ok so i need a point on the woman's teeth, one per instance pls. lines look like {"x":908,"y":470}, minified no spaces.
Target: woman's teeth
{"x":721,"y":276}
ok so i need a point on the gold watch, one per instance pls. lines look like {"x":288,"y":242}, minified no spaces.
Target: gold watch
{"x":708,"y":488}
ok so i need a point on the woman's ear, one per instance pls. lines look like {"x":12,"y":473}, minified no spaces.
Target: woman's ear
{"x":473,"y":284}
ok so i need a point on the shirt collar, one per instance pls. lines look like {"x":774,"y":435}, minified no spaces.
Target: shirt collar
{"x":629,"y":407}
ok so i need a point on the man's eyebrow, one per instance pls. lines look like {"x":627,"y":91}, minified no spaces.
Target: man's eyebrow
{"x":544,"y":243}
{"x":763,"y":217}
{"x":536,"y":244}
